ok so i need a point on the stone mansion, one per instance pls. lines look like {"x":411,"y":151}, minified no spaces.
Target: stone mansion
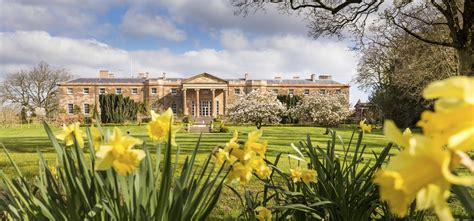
{"x":200,"y":95}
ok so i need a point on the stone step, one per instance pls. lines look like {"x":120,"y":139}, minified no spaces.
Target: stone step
{"x":200,"y":128}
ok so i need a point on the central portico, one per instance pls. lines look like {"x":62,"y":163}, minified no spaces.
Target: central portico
{"x":204,"y":95}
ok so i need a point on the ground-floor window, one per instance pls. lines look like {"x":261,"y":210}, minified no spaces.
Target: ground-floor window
{"x":204,"y":108}
{"x":217,"y":108}
{"x":86,"y":109}
{"x":174,"y":108}
{"x":70,"y":108}
{"x":193,"y":108}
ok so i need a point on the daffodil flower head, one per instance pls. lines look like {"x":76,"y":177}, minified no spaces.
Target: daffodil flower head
{"x":220,"y":156}
{"x":393,"y":134}
{"x":240,"y":173}
{"x":260,"y":167}
{"x":454,"y":128}
{"x":70,"y":132}
{"x":308,"y":176}
{"x":422,"y":171}
{"x":161,"y":126}
{"x":365,"y":127}
{"x":452,"y":93}
{"x":263,"y":214}
{"x":118,"y":153}
{"x":252,"y":144}
{"x":295,"y":174}
{"x":96,"y":137}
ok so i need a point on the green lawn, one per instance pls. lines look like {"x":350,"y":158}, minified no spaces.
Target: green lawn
{"x":23,"y":142}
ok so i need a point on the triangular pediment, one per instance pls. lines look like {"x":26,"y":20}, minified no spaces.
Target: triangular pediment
{"x":204,"y":78}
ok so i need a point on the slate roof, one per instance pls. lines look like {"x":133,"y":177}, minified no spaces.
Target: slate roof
{"x":139,"y":80}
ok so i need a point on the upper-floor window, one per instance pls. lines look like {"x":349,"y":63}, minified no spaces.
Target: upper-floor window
{"x":338,"y":91}
{"x":118,"y":90}
{"x":306,"y":91}
{"x":134,"y":90}
{"x":85,"y":90}
{"x":86,"y":108}
{"x":322,"y":92}
{"x":70,"y":108}
{"x":70,"y":91}
{"x":174,"y":91}
{"x":101,"y":90}
{"x":153,"y":90}
{"x":291,"y":91}
{"x":237,"y":91}
{"x":275,"y":91}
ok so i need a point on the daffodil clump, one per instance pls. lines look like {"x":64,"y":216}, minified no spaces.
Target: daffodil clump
{"x":245,"y":161}
{"x":307,"y":175}
{"x":423,"y":168}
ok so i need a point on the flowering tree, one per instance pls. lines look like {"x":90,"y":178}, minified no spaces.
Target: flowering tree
{"x":327,"y":110}
{"x":257,"y":107}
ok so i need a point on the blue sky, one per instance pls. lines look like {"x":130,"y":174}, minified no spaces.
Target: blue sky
{"x":180,"y":37}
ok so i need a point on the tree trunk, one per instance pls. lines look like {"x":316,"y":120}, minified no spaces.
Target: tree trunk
{"x":466,"y":61}
{"x":23,"y":115}
{"x":258,"y":124}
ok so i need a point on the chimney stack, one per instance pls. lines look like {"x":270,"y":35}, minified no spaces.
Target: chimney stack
{"x":141,"y":75}
{"x":313,"y":77}
{"x":164,"y":76}
{"x":104,"y":74}
{"x":296,"y":77}
{"x":325,"y":77}
{"x":111,"y":75}
{"x":246,"y":76}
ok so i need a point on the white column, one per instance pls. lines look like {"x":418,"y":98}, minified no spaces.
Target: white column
{"x":213,"y":105}
{"x":185,"y":108}
{"x":197,"y":102}
{"x":226,"y":93}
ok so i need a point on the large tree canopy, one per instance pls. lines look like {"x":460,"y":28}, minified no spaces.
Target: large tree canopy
{"x":258,"y":107}
{"x":327,"y":17}
{"x":34,"y":88}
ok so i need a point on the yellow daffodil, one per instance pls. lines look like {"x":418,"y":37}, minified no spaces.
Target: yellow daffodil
{"x":161,"y":126}
{"x":220,"y":156}
{"x":96,"y":137}
{"x":252,"y":144}
{"x":53,"y":170}
{"x":295,"y":174}
{"x":118,"y":153}
{"x":393,"y":134}
{"x":454,"y":128}
{"x":73,"y":130}
{"x":263,"y":214}
{"x":423,"y":171}
{"x":308,"y":176}
{"x":240,"y":173}
{"x":260,"y":167}
{"x":365,"y":127}
{"x":452,"y":93}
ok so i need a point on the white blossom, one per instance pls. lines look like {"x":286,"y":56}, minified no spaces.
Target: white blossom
{"x":257,"y":107}
{"x":326,"y":110}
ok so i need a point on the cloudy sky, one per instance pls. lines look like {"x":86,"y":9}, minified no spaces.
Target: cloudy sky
{"x":179,"y":37}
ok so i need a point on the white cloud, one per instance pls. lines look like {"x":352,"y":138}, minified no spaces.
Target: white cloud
{"x":233,"y":39}
{"x":139,"y":24}
{"x":262,"y":58}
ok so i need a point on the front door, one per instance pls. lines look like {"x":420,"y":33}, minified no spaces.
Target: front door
{"x":205,"y":108}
